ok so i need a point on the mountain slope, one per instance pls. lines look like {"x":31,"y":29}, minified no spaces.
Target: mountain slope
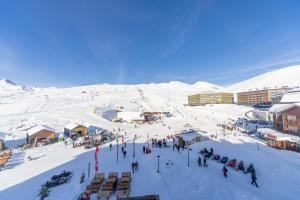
{"x":288,"y":76}
{"x":9,"y":86}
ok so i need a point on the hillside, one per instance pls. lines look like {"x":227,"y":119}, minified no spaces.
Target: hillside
{"x":288,"y":76}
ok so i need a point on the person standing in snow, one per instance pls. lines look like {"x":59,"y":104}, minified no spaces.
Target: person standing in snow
{"x":205,"y":162}
{"x":136,"y":165}
{"x":199,"y":161}
{"x":110,"y":146}
{"x":124,"y":153}
{"x":122,"y":149}
{"x":144,"y":149}
{"x":225,"y":170}
{"x":253,"y":178}
{"x":132,"y":166}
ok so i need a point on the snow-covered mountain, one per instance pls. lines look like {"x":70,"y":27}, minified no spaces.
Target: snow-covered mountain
{"x":207,"y":87}
{"x":288,"y":76}
{"x":10,"y":86}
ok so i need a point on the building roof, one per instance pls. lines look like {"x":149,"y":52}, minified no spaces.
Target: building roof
{"x":279,"y":135}
{"x":38,"y":128}
{"x":188,"y":136}
{"x":73,"y":125}
{"x":278,"y":108}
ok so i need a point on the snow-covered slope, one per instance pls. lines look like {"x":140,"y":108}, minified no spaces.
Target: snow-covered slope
{"x":207,"y":87}
{"x":8,"y":86}
{"x":288,"y":76}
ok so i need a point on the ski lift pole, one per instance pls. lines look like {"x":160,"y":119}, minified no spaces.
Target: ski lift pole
{"x":134,"y":146}
{"x":89,"y":169}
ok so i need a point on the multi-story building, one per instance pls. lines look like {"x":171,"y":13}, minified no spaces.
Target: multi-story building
{"x":257,"y":97}
{"x":286,"y":118}
{"x":210,"y":98}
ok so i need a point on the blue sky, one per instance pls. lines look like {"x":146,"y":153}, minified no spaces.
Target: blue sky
{"x":72,"y":42}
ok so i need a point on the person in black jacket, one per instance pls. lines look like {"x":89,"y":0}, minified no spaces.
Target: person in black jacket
{"x":205,"y":162}
{"x":253,"y":178}
{"x":225,"y":170}
{"x":199,"y":161}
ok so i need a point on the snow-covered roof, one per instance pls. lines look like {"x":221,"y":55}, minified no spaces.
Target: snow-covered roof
{"x":73,"y":125}
{"x":291,"y":97}
{"x":188,"y":136}
{"x":38,"y":128}
{"x":277,"y":108}
{"x":279,"y":135}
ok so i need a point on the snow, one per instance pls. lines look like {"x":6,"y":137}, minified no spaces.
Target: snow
{"x":21,"y":179}
{"x":284,"y":77}
{"x":292,"y":96}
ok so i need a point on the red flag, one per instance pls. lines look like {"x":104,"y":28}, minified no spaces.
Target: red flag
{"x":96,"y":158}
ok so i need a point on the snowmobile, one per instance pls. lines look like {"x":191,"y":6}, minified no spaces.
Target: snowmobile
{"x":216,"y":157}
{"x":241,"y":166}
{"x":224,"y":160}
{"x":232,"y":163}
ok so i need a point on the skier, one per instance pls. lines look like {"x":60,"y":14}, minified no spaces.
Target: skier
{"x":144,"y":149}
{"x":205,"y":162}
{"x":177,"y":148}
{"x":133,"y":166}
{"x":225,"y":170}
{"x":199,"y":161}
{"x":136,"y":164}
{"x":122,"y":149}
{"x":124,"y":153}
{"x":253,"y":178}
{"x":110,"y":146}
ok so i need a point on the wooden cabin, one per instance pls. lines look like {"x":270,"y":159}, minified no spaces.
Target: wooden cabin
{"x":75,"y":130}
{"x":280,"y":140}
{"x":189,"y":137}
{"x":39,"y":133}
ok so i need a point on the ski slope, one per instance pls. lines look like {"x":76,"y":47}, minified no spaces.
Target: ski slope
{"x":284,"y":77}
{"x":22,"y":109}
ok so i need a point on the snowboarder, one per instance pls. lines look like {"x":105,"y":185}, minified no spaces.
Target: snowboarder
{"x":253,"y":178}
{"x":225,"y":170}
{"x":144,"y":149}
{"x":133,"y":166}
{"x":136,"y":165}
{"x":199,"y":161}
{"x":205,"y":162}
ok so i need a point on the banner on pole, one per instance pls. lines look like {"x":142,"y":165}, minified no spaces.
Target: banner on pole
{"x":96,"y":158}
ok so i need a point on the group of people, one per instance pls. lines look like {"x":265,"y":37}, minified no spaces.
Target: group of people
{"x":208,"y":154}
{"x":159,"y":143}
{"x":135,"y":166}
{"x":146,"y":150}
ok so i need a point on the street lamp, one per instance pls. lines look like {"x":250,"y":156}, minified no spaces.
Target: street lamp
{"x":188,"y":154}
{"x":158,"y":164}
